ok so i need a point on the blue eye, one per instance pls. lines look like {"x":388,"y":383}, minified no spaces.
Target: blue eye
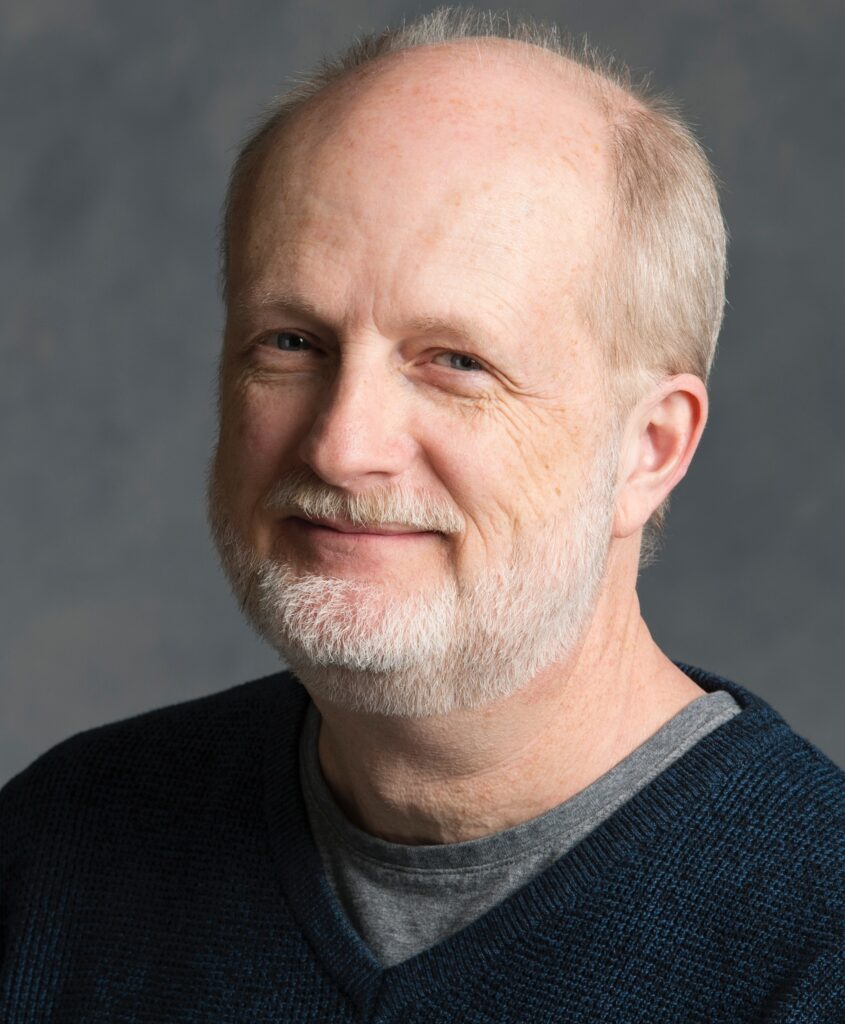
{"x":281,"y":338}
{"x":459,"y":362}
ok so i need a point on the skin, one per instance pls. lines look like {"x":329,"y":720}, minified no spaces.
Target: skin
{"x":439,"y":189}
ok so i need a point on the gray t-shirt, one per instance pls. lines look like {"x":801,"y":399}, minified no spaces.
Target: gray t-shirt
{"x":402,"y":899}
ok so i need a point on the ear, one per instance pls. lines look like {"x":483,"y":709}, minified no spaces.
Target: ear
{"x":659,"y":441}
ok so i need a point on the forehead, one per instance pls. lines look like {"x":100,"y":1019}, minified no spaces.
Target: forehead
{"x":475,"y":160}
{"x":470,"y":92}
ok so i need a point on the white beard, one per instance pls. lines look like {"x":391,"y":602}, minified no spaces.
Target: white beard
{"x":362,"y":646}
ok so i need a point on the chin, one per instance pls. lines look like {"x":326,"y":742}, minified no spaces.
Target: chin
{"x":355,"y":625}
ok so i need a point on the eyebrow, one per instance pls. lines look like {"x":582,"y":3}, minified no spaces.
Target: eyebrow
{"x":275,"y":302}
{"x":460,"y":328}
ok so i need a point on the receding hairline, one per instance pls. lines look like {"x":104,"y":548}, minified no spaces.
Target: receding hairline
{"x":608,"y":97}
{"x":592,"y":83}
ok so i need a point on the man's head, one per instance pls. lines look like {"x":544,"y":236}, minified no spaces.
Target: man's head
{"x":433,"y":321}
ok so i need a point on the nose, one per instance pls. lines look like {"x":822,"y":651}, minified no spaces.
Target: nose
{"x":359,"y":430}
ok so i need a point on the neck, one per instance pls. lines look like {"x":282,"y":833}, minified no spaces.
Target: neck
{"x":468,"y":774}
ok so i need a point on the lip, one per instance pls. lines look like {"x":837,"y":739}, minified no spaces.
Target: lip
{"x":339,"y":527}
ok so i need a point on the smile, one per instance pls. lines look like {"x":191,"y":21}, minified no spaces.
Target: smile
{"x":318,"y":530}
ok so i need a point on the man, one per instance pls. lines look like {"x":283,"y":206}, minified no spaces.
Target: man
{"x":473,"y":287}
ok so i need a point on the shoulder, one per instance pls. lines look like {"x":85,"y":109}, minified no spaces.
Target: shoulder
{"x":759,"y":742}
{"x":793,"y":793}
{"x":185,"y":747}
{"x":777,"y":817}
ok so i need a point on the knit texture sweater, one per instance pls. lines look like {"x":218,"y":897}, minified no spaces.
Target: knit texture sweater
{"x":161,"y":869}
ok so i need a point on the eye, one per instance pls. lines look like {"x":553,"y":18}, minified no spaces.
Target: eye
{"x":287,"y":341}
{"x":458,"y":361}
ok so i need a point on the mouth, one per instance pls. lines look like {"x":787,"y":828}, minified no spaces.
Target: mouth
{"x":343,"y":529}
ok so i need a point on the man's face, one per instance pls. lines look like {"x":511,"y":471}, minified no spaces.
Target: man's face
{"x":404,"y":346}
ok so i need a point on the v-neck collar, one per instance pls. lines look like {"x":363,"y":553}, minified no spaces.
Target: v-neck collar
{"x":662,"y":804}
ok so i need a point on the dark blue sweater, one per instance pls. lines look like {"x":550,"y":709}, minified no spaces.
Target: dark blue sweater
{"x":161,"y":870}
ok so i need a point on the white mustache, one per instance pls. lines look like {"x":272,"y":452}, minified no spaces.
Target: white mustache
{"x":298,"y":493}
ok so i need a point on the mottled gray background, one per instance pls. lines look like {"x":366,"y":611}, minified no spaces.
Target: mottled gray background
{"x":118,"y":126}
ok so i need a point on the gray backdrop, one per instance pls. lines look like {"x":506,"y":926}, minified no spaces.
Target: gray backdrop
{"x":118,"y":126}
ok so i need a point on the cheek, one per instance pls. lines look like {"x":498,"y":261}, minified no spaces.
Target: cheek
{"x":257,"y":438}
{"x":482,"y":470}
{"x":523,"y":472}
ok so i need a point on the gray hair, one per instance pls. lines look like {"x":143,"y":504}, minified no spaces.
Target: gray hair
{"x":658,"y":308}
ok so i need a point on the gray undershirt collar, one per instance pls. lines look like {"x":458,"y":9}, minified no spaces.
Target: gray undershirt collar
{"x":402,"y":898}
